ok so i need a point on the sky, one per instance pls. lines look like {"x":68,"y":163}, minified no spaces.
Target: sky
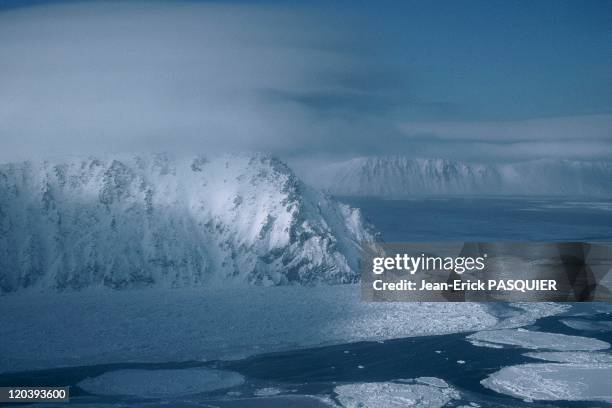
{"x":470,"y":80}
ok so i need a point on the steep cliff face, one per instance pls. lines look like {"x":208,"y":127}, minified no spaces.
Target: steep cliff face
{"x":165,"y":222}
{"x":396,"y":176}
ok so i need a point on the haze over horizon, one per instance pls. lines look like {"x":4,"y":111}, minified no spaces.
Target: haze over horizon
{"x":484,"y":81}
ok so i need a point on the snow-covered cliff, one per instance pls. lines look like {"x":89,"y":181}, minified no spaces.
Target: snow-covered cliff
{"x":397,"y":176}
{"x":159,"y":221}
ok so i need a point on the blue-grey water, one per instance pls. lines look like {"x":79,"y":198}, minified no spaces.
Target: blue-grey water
{"x":317,"y":371}
{"x":488,"y":219}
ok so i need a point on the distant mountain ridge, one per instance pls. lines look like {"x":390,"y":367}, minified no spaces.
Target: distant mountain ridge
{"x":124,"y":222}
{"x":398,"y":176}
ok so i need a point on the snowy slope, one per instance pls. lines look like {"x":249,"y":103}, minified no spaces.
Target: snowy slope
{"x":159,"y":221}
{"x":396,"y":176}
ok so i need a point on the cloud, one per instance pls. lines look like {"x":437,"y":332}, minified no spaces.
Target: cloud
{"x":583,"y":137}
{"x":116,"y":76}
{"x":81,"y":78}
{"x":584,"y":128}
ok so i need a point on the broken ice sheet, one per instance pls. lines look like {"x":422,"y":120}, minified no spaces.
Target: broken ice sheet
{"x":536,"y":340}
{"x":391,"y":394}
{"x":554,"y":381}
{"x":572,"y":356}
{"x":588,"y":325}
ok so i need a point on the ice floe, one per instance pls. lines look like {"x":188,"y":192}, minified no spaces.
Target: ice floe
{"x":268,"y":391}
{"x":588,"y":325}
{"x":161,"y":383}
{"x":433,"y":381}
{"x":572,"y":356}
{"x":393,"y":394}
{"x":554,"y":381}
{"x":485,"y":344}
{"x":536,"y":340}
{"x":524,"y":314}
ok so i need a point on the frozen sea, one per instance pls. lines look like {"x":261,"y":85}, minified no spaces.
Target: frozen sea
{"x":391,"y":366}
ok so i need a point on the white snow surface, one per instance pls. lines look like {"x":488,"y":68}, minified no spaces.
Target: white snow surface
{"x":433,"y":381}
{"x":486,"y":344}
{"x":161,"y":383}
{"x":588,"y":325}
{"x":552,"y":381}
{"x":394,"y":394}
{"x":400,"y":176}
{"x":537,"y":340}
{"x":267,"y":391}
{"x":527,"y":313}
{"x":161,"y":221}
{"x":572,"y":356}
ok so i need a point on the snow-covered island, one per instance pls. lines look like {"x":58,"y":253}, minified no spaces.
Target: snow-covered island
{"x":157,"y":221}
{"x":403,"y":176}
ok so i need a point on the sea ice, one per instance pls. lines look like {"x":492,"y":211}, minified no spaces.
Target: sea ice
{"x":268,"y":391}
{"x":588,"y":325}
{"x":553,"y":381}
{"x":433,"y":381}
{"x":101,"y":326}
{"x":161,"y":383}
{"x":485,"y":344}
{"x":572,"y":356}
{"x":527,"y":313}
{"x":391,"y":394}
{"x":538,"y":340}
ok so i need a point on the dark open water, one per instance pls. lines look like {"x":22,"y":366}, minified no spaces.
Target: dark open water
{"x":488,"y":219}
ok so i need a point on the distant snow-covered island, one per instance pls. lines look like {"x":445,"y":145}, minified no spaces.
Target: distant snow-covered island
{"x":403,"y":176}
